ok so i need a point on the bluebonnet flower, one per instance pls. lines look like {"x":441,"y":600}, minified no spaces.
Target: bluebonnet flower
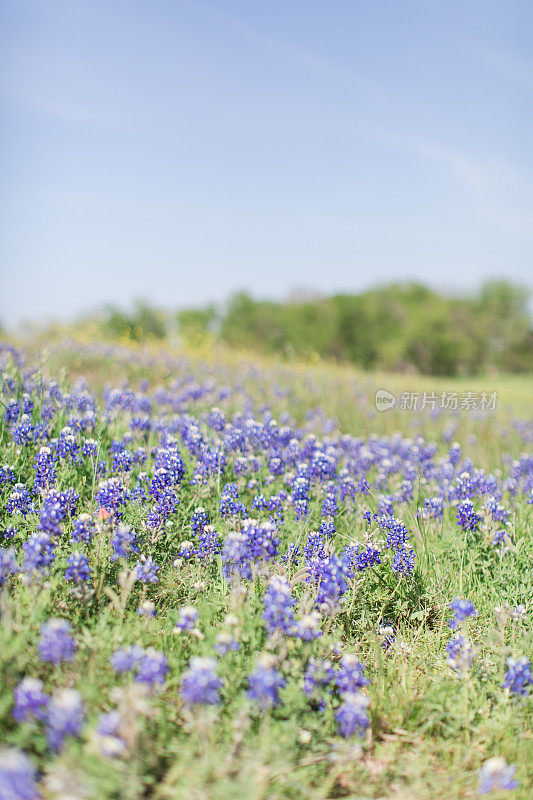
{"x":397,"y":533}
{"x":65,"y":716}
{"x":13,"y":410}
{"x":122,"y":461}
{"x":224,"y":643}
{"x":349,"y":675}
{"x":200,"y":684}
{"x":362,"y":559}
{"x":314,"y":546}
{"x":17,"y":776}
{"x":38,"y":552}
{"x":45,"y":469}
{"x":111,"y":495}
{"x":123,"y":542}
{"x":308,"y":627}
{"x":265,"y":682}
{"x":403,"y":561}
{"x":518,"y":677}
{"x":56,"y":506}
{"x":330,"y":506}
{"x":66,"y":445}
{"x":188,"y":617}
{"x":500,"y":538}
{"x":56,"y":643}
{"x":7,"y":475}
{"x":208,"y":544}
{"x":496,"y":775}
{"x":230,"y":504}
{"x":146,"y":570}
{"x":187,"y":550}
{"x":20,"y":501}
{"x":318,"y":674}
{"x":84,"y":529}
{"x":459,"y":654}
{"x":147,"y":609}
{"x":23,"y":432}
{"x":8,"y":564}
{"x":278,"y":607}
{"x":388,"y":638}
{"x":169,"y":459}
{"x":216,"y":419}
{"x":498,"y":512}
{"x":301,"y":507}
{"x":167,"y":502}
{"x":78,"y":569}
{"x":352,"y":716}
{"x":293,"y":553}
{"x":30,"y":700}
{"x":462,"y":610}
{"x":199,"y":519}
{"x":467,"y":517}
{"x":327,"y":528}
{"x":252,"y":547}
{"x":433,"y":507}
{"x":152,"y":667}
{"x":330,"y":577}
{"x":112,"y":744}
{"x":126,"y":659}
{"x":9,"y":532}
{"x":89,"y":448}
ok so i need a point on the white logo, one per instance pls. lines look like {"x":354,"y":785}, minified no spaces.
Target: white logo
{"x":384,"y":400}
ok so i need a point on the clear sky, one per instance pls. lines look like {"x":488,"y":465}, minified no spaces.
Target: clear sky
{"x":181,"y":150}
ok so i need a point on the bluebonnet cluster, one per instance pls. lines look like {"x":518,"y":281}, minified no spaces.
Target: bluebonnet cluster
{"x":20,"y":501}
{"x":30,"y":700}
{"x":188,"y":617}
{"x":123,"y":542}
{"x":109,"y":729}
{"x":146,"y":570}
{"x":200,"y":684}
{"x":279,"y":603}
{"x":352,"y":715}
{"x":84,"y":529}
{"x":17,"y":776}
{"x":460,"y":654}
{"x":349,"y":675}
{"x":65,"y":716}
{"x":318,"y":675}
{"x":296,"y":485}
{"x":8,"y":564}
{"x":230,"y":504}
{"x":56,"y":643}
{"x":38,"y":552}
{"x":149,"y":666}
{"x":496,"y":775}
{"x":250,"y":548}
{"x":265,"y":682}
{"x":78,"y":569}
{"x":462,"y":609}
{"x":467,"y":517}
{"x":199,"y":519}
{"x":518,"y":677}
{"x":112,"y":495}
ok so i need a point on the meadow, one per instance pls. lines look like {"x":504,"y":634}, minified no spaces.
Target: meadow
{"x":225,"y":577}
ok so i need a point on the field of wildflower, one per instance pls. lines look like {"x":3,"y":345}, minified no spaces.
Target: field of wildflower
{"x":221,"y":578}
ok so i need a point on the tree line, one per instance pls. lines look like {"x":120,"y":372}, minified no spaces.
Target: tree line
{"x":406,"y":327}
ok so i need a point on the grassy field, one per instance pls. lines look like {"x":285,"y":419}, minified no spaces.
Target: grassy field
{"x":365,"y":526}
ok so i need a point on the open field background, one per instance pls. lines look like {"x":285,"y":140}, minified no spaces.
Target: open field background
{"x":431,"y":726}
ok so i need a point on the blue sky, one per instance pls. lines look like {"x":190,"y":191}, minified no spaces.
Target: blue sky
{"x":180,"y":151}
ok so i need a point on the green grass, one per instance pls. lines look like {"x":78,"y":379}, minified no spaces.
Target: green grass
{"x":430,"y":730}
